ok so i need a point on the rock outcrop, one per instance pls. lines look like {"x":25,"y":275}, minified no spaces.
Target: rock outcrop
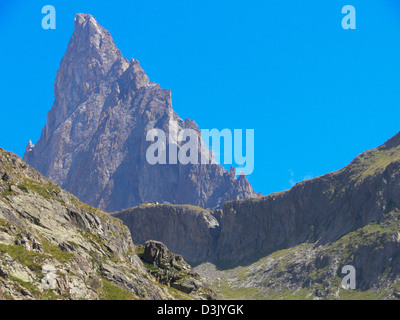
{"x":52,"y":246}
{"x":94,"y":143}
{"x":172,"y":270}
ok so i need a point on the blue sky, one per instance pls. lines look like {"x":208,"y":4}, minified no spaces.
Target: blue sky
{"x":315,"y":94}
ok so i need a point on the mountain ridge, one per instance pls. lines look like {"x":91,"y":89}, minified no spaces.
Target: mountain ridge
{"x":320,"y":211}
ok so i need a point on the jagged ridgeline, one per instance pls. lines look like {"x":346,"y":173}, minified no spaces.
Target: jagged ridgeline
{"x":293,"y":244}
{"x":94,"y":143}
{"x":52,"y":246}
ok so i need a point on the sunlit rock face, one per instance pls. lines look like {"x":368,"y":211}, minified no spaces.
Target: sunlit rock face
{"x":94,"y":143}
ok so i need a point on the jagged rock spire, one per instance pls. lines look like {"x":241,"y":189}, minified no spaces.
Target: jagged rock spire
{"x":29,"y":146}
{"x":90,"y":55}
{"x":94,"y":143}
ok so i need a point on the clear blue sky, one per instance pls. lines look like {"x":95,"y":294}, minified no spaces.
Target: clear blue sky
{"x":316,"y":95}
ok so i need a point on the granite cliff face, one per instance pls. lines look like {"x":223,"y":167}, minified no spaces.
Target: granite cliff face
{"x":94,"y":143}
{"x":52,"y":246}
{"x":293,"y":244}
{"x":188,"y":230}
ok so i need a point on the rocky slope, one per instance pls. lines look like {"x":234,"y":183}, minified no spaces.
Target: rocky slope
{"x":52,"y":246}
{"x":313,"y":271}
{"x":303,"y":236}
{"x":94,"y":143}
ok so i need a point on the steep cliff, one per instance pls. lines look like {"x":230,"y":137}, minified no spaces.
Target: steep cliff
{"x":94,"y":143}
{"x":188,"y":230}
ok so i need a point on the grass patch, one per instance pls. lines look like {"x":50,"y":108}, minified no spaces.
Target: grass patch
{"x":4,"y":223}
{"x":112,"y":292}
{"x":229,"y":293}
{"x":372,"y":162}
{"x":48,"y":190}
{"x":358,"y":295}
{"x":44,"y":295}
{"x":179,"y":295}
{"x":7,"y":193}
{"x":56,"y":252}
{"x":27,"y":285}
{"x":32,"y":260}
{"x":139,"y":249}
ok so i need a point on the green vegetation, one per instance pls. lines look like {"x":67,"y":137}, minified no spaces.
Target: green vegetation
{"x":32,"y":260}
{"x":23,"y":188}
{"x":178,"y":294}
{"x":79,"y":204}
{"x":359,"y":295}
{"x":374,"y":236}
{"x":151,"y":267}
{"x":4,"y":224}
{"x":229,"y":293}
{"x":188,"y":206}
{"x":139,"y":249}
{"x":49,"y":294}
{"x":7,"y":193}
{"x":372,"y":162}
{"x":99,"y":243}
{"x":112,"y":292}
{"x":47,"y":190}
{"x":27,"y":285}
{"x":192,"y":207}
{"x":56,"y":252}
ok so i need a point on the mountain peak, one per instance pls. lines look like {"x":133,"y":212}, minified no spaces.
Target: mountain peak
{"x":82,"y":19}
{"x":94,"y":143}
{"x":87,"y":25}
{"x":89,"y":35}
{"x":90,"y":55}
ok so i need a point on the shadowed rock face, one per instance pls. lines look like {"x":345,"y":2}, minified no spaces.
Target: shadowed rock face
{"x":320,"y":211}
{"x":94,"y":143}
{"x":187,"y":230}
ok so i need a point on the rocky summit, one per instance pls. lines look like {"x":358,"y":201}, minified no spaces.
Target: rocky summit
{"x":94,"y":143}
{"x":52,"y":246}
